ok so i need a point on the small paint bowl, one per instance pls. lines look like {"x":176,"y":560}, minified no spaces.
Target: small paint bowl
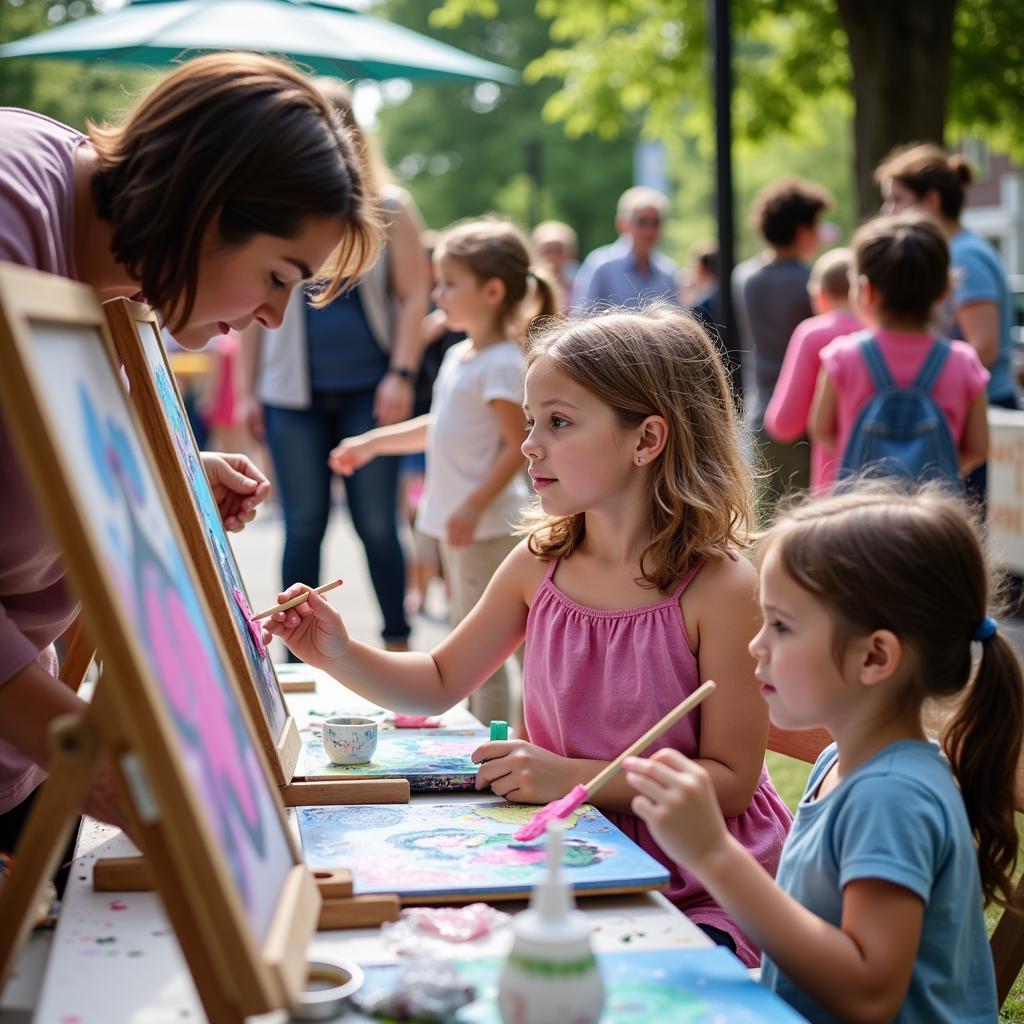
{"x":327,"y":988}
{"x":350,"y":739}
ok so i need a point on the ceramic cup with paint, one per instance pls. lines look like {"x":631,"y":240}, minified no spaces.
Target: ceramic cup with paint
{"x":349,"y":739}
{"x":551,"y":975}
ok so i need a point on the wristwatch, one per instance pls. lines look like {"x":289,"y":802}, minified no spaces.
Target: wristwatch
{"x":404,"y":372}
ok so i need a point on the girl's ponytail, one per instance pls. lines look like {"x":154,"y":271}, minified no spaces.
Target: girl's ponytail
{"x":548,"y":296}
{"x":983,"y":744}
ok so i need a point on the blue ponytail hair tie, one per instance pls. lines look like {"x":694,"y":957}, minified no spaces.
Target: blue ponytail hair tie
{"x":986,"y":628}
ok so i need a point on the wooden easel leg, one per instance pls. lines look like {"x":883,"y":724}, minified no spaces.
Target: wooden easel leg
{"x":76,"y":751}
{"x":78,"y":656}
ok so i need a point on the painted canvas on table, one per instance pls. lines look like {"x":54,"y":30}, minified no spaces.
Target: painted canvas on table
{"x":433,"y":760}
{"x":122,"y":508}
{"x":672,"y":986}
{"x":260,"y":665}
{"x":460,"y":851}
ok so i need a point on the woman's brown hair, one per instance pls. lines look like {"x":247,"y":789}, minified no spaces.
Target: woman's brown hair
{"x":906,"y":258}
{"x":913,"y":563}
{"x":492,"y":247}
{"x":234,"y":142}
{"x":922,"y":167}
{"x":658,"y":362}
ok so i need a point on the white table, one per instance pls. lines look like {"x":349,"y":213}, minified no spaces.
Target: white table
{"x":114,"y":958}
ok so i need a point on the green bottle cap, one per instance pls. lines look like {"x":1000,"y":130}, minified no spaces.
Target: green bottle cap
{"x":499,"y":730}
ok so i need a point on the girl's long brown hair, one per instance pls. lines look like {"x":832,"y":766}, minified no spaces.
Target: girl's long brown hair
{"x":237,"y":142}
{"x":658,"y":362}
{"x":912,"y":563}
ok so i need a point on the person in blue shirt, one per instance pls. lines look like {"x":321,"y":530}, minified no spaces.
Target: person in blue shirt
{"x":979,"y":310}
{"x":629,"y":272}
{"x":874,"y":601}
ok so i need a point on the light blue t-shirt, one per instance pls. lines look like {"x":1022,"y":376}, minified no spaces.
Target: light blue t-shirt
{"x":610,"y":276}
{"x":899,"y":817}
{"x":978,"y":276}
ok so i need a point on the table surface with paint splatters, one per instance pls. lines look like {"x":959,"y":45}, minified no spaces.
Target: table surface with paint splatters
{"x":114,"y":958}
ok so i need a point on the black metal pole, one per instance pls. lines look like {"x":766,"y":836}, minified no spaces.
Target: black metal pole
{"x":722,"y":36}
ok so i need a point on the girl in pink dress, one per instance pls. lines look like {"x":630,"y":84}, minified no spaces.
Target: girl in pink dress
{"x":629,"y":589}
{"x":901,"y":271}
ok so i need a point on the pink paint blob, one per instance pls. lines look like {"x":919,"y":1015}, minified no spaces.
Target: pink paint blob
{"x":255,"y":630}
{"x":118,"y":905}
{"x":537,"y":825}
{"x":416,"y":722}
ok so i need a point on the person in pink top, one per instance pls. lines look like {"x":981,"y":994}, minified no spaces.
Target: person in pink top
{"x":629,"y":590}
{"x":901,"y":268}
{"x":790,"y":406}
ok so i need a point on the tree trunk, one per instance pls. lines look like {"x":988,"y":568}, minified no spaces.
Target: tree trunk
{"x":900,"y":51}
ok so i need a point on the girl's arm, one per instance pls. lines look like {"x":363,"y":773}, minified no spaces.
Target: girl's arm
{"x":788,"y":411}
{"x":398,"y":439}
{"x":979,"y":322}
{"x":974,"y":443}
{"x":415,"y":682}
{"x":859,"y":971}
{"x":734,"y":720}
{"x":722,"y":615}
{"x":462,"y":522}
{"x":822,"y":424}
{"x":410,"y":286}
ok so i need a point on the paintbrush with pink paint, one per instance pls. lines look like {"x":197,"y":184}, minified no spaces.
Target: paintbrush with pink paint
{"x":252,"y":620}
{"x":578,"y":794}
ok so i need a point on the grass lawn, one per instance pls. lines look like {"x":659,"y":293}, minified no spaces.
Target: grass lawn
{"x":790,"y":777}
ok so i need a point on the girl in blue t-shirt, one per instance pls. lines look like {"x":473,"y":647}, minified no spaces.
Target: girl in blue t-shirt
{"x":874,"y":601}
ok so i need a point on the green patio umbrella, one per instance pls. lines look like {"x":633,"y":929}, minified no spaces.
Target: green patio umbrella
{"x":329,"y":36}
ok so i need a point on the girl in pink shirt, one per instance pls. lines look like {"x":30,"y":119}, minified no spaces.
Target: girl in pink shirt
{"x":629,"y":590}
{"x":901,"y":265}
{"x":790,"y":406}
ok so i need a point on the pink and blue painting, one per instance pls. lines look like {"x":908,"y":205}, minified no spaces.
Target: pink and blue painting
{"x":659,"y":986}
{"x":260,"y":666}
{"x":120,"y":509}
{"x":433,"y":760}
{"x":457,"y":852}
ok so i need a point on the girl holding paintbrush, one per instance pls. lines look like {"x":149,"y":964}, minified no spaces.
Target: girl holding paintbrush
{"x":874,"y":602}
{"x":628,"y":589}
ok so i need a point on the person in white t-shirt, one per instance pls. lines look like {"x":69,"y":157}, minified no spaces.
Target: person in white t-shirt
{"x":475,"y":488}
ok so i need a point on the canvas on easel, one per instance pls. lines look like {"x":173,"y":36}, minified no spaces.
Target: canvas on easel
{"x":154,"y":395}
{"x":209,"y":822}
{"x":159,"y":406}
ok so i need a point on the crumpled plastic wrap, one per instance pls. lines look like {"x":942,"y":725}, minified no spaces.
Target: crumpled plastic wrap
{"x":424,"y":990}
{"x":420,"y":931}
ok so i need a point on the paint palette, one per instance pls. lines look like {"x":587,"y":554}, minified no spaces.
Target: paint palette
{"x":435,"y":760}
{"x":462,"y":852}
{"x":670,"y":986}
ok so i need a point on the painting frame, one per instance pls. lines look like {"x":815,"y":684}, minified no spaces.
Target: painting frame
{"x":240,"y":967}
{"x":135,"y":330}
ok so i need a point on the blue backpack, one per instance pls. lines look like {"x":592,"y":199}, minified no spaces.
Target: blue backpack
{"x":902,"y":431}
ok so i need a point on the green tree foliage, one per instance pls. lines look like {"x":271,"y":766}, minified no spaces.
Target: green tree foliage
{"x":69,"y":91}
{"x":462,"y":149}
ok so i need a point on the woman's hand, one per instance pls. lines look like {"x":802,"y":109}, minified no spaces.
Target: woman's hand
{"x":676,"y":799}
{"x":392,"y":401}
{"x":312,"y":631}
{"x":461,"y":526}
{"x":522,"y":771}
{"x":237,"y":485}
{"x":351,"y":454}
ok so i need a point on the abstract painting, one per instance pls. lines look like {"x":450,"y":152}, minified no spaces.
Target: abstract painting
{"x":460,"y":851}
{"x":433,"y":760}
{"x":672,"y":986}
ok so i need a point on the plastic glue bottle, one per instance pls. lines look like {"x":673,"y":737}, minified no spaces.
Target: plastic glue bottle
{"x":551,"y":975}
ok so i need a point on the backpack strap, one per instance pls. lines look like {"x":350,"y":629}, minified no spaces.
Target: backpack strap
{"x":932,"y":365}
{"x":872,"y":356}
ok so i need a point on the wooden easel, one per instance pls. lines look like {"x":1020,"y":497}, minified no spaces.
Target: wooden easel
{"x":135,"y":330}
{"x":195,"y":785}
